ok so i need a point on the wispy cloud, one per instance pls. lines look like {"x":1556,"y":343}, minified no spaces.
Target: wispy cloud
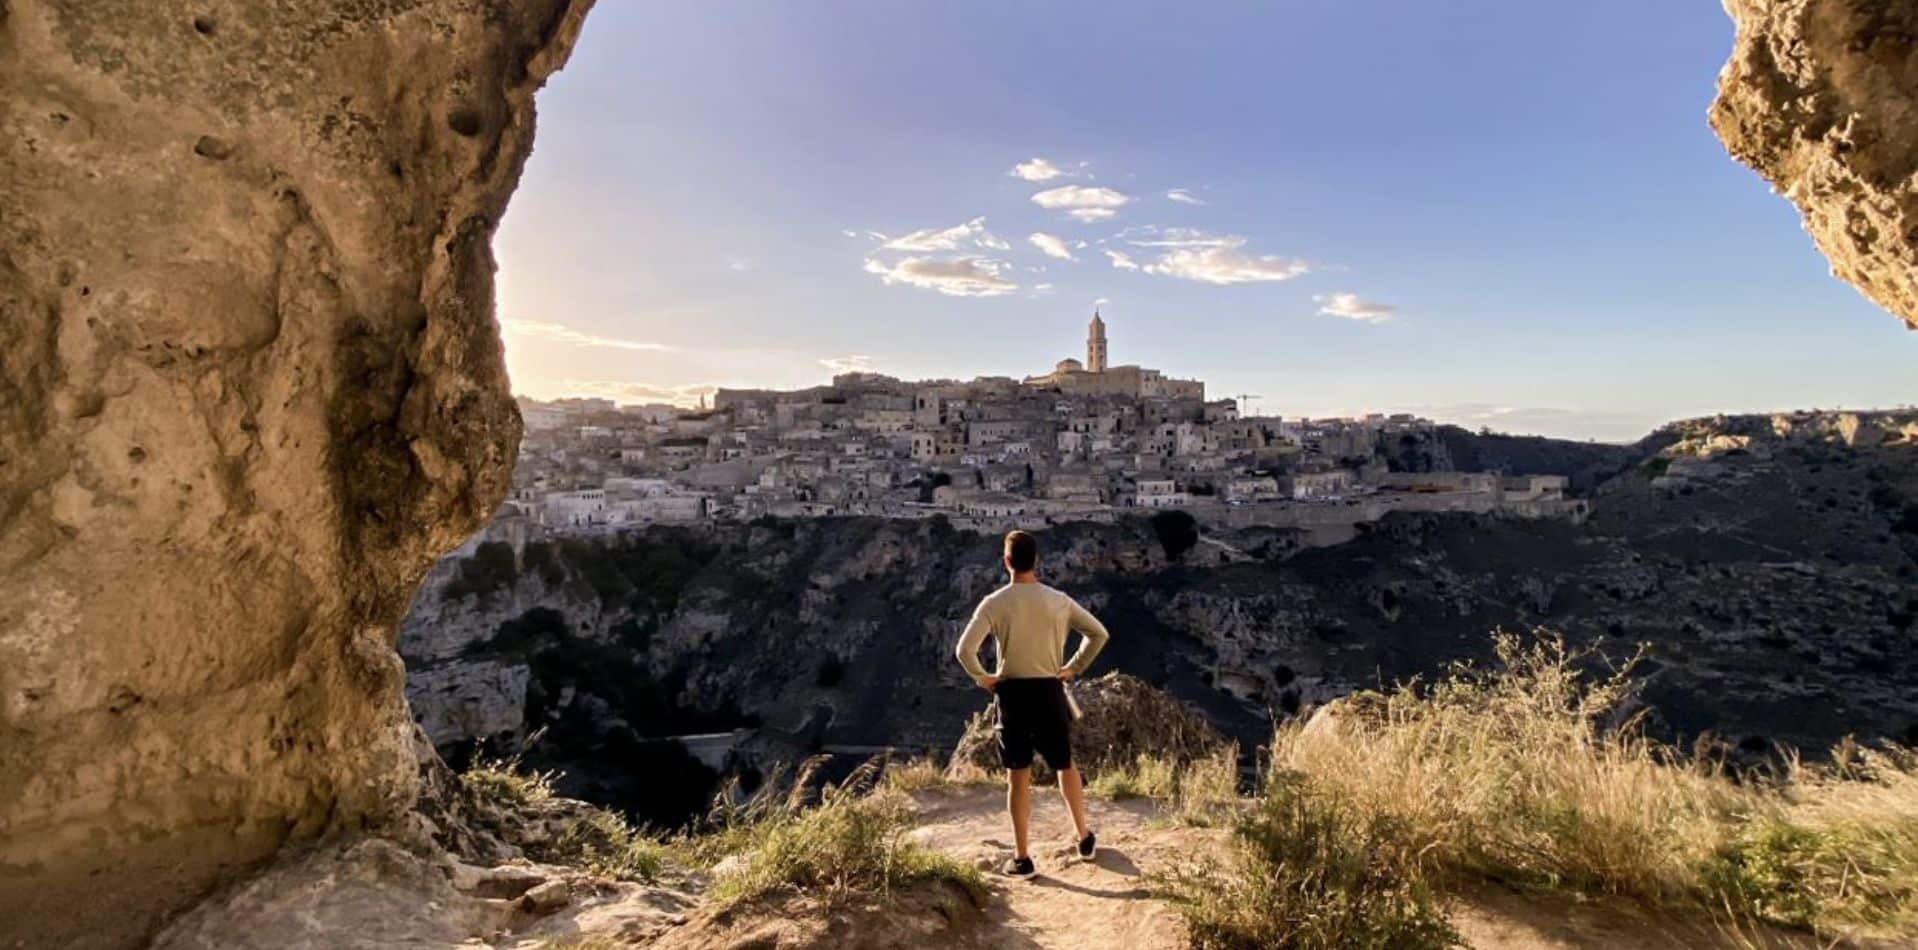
{"x":560,"y":333}
{"x":853,"y":363}
{"x":739,"y":265}
{"x":1192,"y":254}
{"x":1354,"y":307}
{"x":970,"y":234}
{"x":1122,"y":260}
{"x":1037,"y":169}
{"x":1082,"y":202}
{"x":1051,"y":245}
{"x":1183,"y":196}
{"x":967,"y":276}
{"x":1225,"y":265}
{"x":623,"y":391}
{"x":1153,"y":236}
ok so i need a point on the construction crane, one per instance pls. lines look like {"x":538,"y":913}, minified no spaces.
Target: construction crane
{"x":1245,"y":403}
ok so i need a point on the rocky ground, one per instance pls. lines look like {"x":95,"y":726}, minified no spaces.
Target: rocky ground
{"x":378,"y":893}
{"x":1769,"y":565}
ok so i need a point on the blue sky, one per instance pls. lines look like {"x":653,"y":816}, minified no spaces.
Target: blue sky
{"x":1536,"y":228}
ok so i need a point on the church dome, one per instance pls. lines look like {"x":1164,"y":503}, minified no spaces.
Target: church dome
{"x":1069,"y":365}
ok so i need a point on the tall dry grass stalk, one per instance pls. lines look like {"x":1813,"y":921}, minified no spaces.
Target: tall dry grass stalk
{"x":1536,"y":773}
{"x":1529,"y":773}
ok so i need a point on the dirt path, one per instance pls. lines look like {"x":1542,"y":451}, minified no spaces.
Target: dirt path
{"x":1072,"y":903}
{"x":1105,"y":902}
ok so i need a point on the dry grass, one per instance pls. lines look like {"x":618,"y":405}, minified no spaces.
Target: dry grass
{"x":503,"y":783}
{"x":1531,"y":774}
{"x":1523,"y":774}
{"x":1312,"y":871}
{"x":605,"y":843}
{"x":1202,"y":792}
{"x":1836,"y":852}
{"x":848,"y":845}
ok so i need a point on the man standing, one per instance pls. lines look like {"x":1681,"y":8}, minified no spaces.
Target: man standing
{"x":1028,"y":621}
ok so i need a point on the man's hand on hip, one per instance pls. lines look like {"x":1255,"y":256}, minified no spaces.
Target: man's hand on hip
{"x":1066,"y":673}
{"x":989,"y":684}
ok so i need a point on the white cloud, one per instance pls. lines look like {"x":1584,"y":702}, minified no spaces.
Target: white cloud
{"x":1041,"y":290}
{"x":972,"y":233}
{"x":1038,"y":169}
{"x":535,"y":329}
{"x":954,"y":277}
{"x":853,"y":363}
{"x":1122,"y":260}
{"x":1354,"y":307}
{"x":739,"y":264}
{"x":1183,"y":196}
{"x":622,"y":391}
{"x":1150,"y":236}
{"x":1225,"y":264}
{"x":1102,"y":301}
{"x":1051,"y":245}
{"x":1193,"y":254}
{"x":1082,"y":202}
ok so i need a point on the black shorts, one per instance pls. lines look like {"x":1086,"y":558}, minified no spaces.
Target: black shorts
{"x":1034,"y":717}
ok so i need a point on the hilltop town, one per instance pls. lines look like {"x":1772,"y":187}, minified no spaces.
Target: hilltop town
{"x":1084,"y":441}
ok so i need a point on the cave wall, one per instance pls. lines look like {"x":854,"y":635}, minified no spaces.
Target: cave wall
{"x":250,"y":386}
{"x":1821,"y":98}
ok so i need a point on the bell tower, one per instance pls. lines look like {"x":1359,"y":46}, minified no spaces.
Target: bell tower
{"x":1096,"y":345}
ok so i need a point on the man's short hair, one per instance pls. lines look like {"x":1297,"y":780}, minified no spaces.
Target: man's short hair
{"x":1022,"y":551}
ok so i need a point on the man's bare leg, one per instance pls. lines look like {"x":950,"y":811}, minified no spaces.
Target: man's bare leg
{"x":1073,"y":788}
{"x":1019,"y":803}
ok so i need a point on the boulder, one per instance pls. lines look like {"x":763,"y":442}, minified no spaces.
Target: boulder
{"x":1123,"y":718}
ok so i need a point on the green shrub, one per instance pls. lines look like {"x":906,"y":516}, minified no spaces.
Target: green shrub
{"x":1840,"y":854}
{"x":850,"y":845}
{"x":1309,"y":870}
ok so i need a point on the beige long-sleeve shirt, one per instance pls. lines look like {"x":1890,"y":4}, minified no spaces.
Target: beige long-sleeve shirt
{"x":1030,"y":622}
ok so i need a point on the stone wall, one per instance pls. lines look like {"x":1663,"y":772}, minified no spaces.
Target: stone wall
{"x":250,"y":386}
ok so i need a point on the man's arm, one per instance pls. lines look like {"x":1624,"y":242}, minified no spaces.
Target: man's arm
{"x":1092,"y":637}
{"x":970,"y":641}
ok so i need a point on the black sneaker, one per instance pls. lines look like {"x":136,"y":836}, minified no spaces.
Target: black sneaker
{"x":1019,"y":867}
{"x":1089,"y":846}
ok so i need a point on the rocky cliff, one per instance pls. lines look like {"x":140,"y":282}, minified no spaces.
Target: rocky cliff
{"x":1821,"y":98}
{"x":250,"y":387}
{"x":1771,"y":563}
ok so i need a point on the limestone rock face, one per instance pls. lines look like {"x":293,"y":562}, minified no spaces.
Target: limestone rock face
{"x":250,"y":386}
{"x":1821,"y":97}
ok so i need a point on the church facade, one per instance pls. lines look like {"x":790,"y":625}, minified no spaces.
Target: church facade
{"x":1095,"y":378}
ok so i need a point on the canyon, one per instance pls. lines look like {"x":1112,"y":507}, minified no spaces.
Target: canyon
{"x":251,"y":387}
{"x":1767,"y":564}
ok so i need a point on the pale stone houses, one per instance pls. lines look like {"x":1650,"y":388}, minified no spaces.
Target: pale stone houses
{"x":1082,"y":441}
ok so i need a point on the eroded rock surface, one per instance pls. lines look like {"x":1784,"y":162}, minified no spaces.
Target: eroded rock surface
{"x":250,"y":386}
{"x":1821,"y":97}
